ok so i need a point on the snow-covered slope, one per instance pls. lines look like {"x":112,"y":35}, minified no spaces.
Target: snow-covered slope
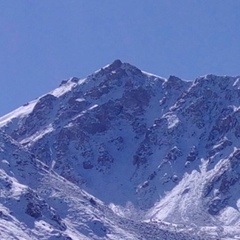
{"x":37,"y":203}
{"x":162,"y":151}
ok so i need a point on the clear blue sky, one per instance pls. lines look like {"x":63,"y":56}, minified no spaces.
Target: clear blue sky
{"x":44,"y":42}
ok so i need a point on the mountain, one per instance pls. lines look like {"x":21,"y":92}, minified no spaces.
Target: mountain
{"x":158,"y":158}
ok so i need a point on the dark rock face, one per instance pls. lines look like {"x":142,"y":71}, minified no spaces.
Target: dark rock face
{"x":87,"y":165}
{"x":136,"y":99}
{"x":215,"y":205}
{"x":38,"y":208}
{"x":173,"y":154}
{"x":193,"y":154}
{"x":220,"y":188}
{"x":77,"y":105}
{"x":98,"y":228}
{"x":98,"y":91}
{"x":33,"y":210}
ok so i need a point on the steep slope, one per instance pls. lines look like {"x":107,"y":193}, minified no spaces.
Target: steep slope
{"x":203,"y":124}
{"x":141,"y":143}
{"x":36,"y":203}
{"x":20,"y":203}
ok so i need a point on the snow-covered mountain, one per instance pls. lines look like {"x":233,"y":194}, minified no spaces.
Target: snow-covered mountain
{"x":124,"y":154}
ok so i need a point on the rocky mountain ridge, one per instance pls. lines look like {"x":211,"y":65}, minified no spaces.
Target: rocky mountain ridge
{"x":167,"y":149}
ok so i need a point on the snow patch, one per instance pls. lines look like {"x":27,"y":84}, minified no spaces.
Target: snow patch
{"x":63,"y":89}
{"x":38,"y":135}
{"x":172,"y":119}
{"x":19,"y":113}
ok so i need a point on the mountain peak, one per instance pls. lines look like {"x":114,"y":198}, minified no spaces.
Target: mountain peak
{"x":116,"y":64}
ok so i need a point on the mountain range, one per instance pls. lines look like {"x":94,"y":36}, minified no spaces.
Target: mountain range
{"x":123,"y":154}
